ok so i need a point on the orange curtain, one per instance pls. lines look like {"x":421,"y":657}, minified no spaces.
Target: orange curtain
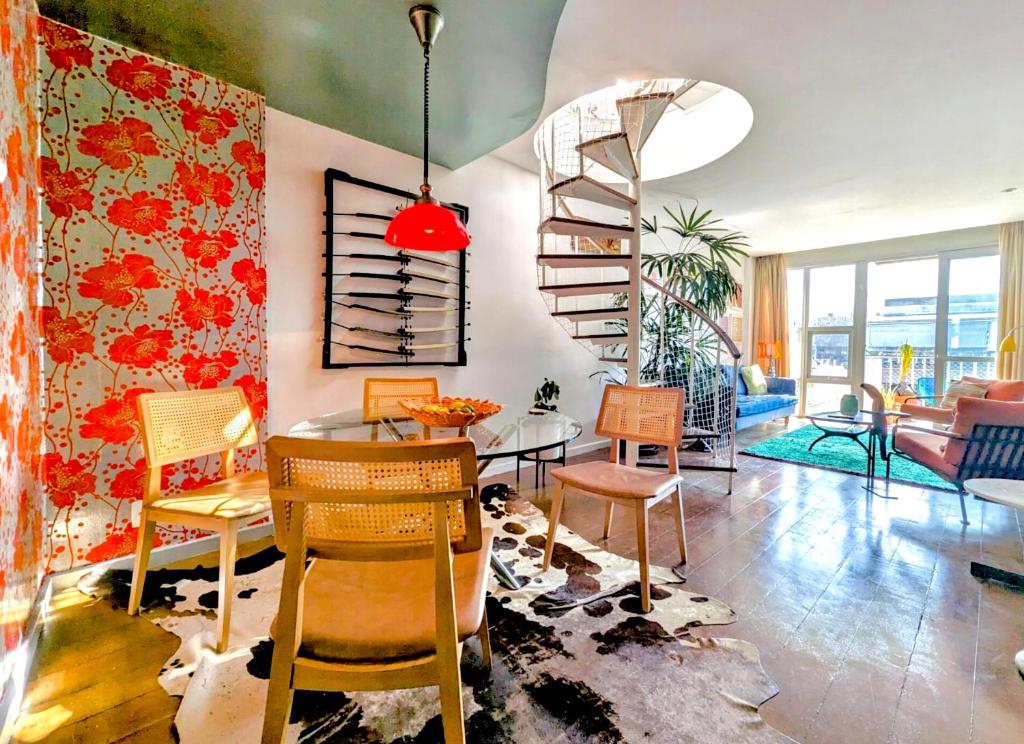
{"x":1010,"y":366}
{"x":771,"y":319}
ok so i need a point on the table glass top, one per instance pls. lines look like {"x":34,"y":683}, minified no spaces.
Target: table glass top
{"x":504,"y":434}
{"x":861,"y":417}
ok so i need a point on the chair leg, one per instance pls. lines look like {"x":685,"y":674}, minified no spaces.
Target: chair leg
{"x":677,"y":512}
{"x":279,"y":701}
{"x":143,"y":544}
{"x":644,"y":557}
{"x":556,"y":512}
{"x":485,"y":641}
{"x":609,"y":508}
{"x":450,"y":684}
{"x":228,"y":547}
{"x":963,"y":508}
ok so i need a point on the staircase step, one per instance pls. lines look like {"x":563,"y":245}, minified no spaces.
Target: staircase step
{"x":614,"y":360}
{"x":613,"y":152}
{"x":583,"y":260}
{"x":602,"y":313}
{"x":585,"y":228}
{"x":602,"y":339}
{"x":640,"y":114}
{"x":587,"y":288}
{"x":585,"y":187}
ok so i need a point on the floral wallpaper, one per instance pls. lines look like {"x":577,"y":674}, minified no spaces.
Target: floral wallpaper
{"x":21,"y":499}
{"x":153,"y":180}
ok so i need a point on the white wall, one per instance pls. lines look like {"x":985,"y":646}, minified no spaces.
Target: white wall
{"x":515,"y":343}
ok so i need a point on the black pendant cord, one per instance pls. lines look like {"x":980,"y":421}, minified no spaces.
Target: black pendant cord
{"x":426,"y":115}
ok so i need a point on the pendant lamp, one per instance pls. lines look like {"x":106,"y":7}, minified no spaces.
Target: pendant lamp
{"x":426,"y":225}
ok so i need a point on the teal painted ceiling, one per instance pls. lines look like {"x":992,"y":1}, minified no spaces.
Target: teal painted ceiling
{"x":354,"y":65}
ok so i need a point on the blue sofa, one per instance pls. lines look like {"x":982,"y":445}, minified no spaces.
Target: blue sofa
{"x":779,"y":401}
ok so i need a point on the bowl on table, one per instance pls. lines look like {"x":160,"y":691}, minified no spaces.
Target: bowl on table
{"x":456,"y":413}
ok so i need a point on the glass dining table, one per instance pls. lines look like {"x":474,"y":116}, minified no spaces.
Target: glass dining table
{"x":506,"y":434}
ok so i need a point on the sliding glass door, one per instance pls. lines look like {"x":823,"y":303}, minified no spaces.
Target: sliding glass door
{"x":848,"y":322}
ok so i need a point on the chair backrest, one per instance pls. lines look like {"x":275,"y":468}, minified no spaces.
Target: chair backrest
{"x":971,"y":412}
{"x":993,"y":451}
{"x":186,"y":424}
{"x":374,"y":501}
{"x":641,"y":414}
{"x":381,"y":396}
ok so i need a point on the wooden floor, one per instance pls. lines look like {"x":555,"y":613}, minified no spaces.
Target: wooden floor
{"x":862,"y":607}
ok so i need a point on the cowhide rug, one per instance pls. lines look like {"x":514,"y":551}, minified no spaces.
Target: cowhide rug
{"x":564,"y":669}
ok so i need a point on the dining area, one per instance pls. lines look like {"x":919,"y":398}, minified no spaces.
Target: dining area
{"x":388,"y":555}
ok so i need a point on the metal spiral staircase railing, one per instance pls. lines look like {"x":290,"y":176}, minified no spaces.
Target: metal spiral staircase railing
{"x":589,"y":264}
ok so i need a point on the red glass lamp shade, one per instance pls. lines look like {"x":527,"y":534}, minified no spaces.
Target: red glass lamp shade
{"x":427,"y":226}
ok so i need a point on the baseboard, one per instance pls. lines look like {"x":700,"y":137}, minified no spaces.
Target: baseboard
{"x":162,"y":556}
{"x":506,"y":465}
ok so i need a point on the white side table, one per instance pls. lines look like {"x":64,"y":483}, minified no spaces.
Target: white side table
{"x":1008,"y":493}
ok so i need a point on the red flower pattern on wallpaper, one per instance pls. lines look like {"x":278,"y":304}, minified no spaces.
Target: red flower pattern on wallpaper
{"x":115,"y":283}
{"x":252,"y":160}
{"x":139,"y":77}
{"x":140,"y":213}
{"x":208,"y":371}
{"x":253,"y":278}
{"x":22,"y":499}
{"x":155,"y":278}
{"x":202,"y":308}
{"x":115,"y":420}
{"x":205,"y":248}
{"x":64,"y":337}
{"x":65,"y":191}
{"x":143,"y":347}
{"x":200,"y":183}
{"x":116,"y":142}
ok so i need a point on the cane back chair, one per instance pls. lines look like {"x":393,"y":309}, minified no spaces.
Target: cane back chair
{"x":631,"y":414}
{"x":383,"y":604}
{"x":381,"y":396}
{"x":183,"y":425}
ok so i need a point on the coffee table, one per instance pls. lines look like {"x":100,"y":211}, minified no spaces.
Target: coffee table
{"x":1008,"y":493}
{"x":506,"y":434}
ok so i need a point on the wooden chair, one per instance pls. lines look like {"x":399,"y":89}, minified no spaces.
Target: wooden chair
{"x":632,"y":414}
{"x":383,"y":605}
{"x":381,"y":396}
{"x":183,"y":425}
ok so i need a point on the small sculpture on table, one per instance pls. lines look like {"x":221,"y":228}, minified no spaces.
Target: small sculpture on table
{"x":543,"y":397}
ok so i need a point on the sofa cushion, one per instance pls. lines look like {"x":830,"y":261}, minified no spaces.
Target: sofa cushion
{"x":750,"y":405}
{"x":971,"y":411}
{"x":1007,"y":390}
{"x":962,"y":389}
{"x":927,"y":449}
{"x":754,"y":379}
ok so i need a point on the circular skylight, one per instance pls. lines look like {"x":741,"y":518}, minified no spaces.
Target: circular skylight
{"x":701,"y":125}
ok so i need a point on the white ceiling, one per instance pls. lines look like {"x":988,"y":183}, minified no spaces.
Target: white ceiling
{"x":872,"y":118}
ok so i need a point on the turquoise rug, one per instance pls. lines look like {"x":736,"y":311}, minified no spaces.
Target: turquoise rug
{"x":842,"y":455}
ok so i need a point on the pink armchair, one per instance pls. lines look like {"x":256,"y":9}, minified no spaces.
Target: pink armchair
{"x":1004,"y":390}
{"x":986,"y":440}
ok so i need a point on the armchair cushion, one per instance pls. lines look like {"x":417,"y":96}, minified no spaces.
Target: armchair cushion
{"x":926,"y":449}
{"x":971,"y":411}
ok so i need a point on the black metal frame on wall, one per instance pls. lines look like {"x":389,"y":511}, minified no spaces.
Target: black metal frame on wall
{"x":367,"y":321}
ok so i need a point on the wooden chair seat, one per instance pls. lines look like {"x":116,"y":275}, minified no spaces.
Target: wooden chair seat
{"x":617,"y":481}
{"x":388,"y":607}
{"x":243,"y":495}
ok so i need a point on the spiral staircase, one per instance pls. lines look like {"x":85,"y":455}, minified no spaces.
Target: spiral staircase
{"x":589,"y":249}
